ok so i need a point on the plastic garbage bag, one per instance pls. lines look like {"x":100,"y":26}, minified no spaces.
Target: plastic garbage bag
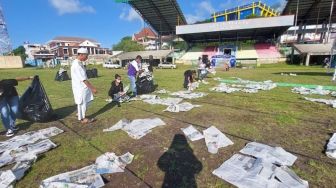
{"x":34,"y":103}
{"x":62,"y":75}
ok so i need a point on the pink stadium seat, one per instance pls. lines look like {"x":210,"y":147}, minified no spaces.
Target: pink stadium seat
{"x":210,"y":51}
{"x":267,"y":51}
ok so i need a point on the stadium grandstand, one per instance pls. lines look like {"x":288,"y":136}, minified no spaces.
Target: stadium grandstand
{"x":253,"y":32}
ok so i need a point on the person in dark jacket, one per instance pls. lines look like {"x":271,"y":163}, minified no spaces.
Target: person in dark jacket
{"x":116,"y":91}
{"x":9,"y":103}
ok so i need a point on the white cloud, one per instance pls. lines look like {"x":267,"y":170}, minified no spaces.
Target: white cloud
{"x":70,"y":6}
{"x":280,"y":5}
{"x":130,"y":15}
{"x":206,"y":6}
{"x":193,"y":18}
{"x":202,"y":11}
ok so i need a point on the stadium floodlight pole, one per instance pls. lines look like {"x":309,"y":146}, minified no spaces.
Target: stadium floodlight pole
{"x":331,"y":12}
{"x":296,"y":16}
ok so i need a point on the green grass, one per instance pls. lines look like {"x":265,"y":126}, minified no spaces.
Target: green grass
{"x":277,"y":117}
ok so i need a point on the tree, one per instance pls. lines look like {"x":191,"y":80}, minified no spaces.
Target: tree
{"x":127,"y":45}
{"x":20,"y":51}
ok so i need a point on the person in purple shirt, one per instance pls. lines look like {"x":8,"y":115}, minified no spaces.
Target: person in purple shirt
{"x":133,"y":70}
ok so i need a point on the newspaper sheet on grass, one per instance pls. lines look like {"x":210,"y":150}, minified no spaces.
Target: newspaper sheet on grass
{"x":23,"y":150}
{"x":307,"y":91}
{"x":245,"y":171}
{"x":162,"y":91}
{"x":275,"y":155}
{"x":331,"y":147}
{"x":244,"y":86}
{"x":330,"y":102}
{"x":214,"y":139}
{"x":7,"y":178}
{"x":29,"y":138}
{"x":167,"y":101}
{"x":192,"y":133}
{"x":137,"y":128}
{"x":188,"y":94}
{"x":182,"y":107}
{"x":145,"y":97}
{"x":90,"y":176}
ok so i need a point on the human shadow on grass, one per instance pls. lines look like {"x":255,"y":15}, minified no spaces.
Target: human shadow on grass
{"x":180,"y":164}
{"x":307,"y":73}
{"x":64,"y":112}
{"x":107,"y":107}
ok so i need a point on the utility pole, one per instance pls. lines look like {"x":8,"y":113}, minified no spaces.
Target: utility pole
{"x":5,"y":44}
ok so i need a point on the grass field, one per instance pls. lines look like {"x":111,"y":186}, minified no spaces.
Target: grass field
{"x":277,"y":117}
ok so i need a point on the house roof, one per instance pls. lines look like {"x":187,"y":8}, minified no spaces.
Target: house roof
{"x":73,"y":39}
{"x":146,"y":32}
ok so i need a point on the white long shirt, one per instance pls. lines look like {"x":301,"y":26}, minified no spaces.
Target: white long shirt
{"x":78,"y":74}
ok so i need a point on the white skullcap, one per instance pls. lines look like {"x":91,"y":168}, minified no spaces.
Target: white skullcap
{"x":82,"y":51}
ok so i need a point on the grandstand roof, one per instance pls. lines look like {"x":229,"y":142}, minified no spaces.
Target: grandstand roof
{"x":236,"y":30}
{"x":311,"y":11}
{"x":162,"y":15}
{"x":314,"y":49}
{"x":157,"y":54}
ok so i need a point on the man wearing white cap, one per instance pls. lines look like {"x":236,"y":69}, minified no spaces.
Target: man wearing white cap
{"x":81,"y":87}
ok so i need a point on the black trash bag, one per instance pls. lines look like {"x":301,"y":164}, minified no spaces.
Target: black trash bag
{"x":145,"y":85}
{"x":62,"y":77}
{"x":89,"y":73}
{"x":92,"y":73}
{"x":95,"y":73}
{"x":34,"y":104}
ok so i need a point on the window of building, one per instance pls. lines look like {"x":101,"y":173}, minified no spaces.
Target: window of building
{"x":65,"y":51}
{"x":74,"y":51}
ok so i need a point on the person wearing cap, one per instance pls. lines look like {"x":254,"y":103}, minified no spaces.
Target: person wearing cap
{"x":81,"y":87}
{"x":133,"y":71}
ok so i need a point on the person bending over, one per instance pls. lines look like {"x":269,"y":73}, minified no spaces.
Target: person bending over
{"x":9,"y":103}
{"x":189,"y":79}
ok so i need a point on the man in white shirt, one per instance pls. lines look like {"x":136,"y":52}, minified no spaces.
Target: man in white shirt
{"x":81,"y":87}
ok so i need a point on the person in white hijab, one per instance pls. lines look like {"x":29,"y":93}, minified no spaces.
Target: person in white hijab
{"x":81,"y":87}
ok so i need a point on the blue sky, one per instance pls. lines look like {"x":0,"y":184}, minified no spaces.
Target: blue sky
{"x":38,"y":21}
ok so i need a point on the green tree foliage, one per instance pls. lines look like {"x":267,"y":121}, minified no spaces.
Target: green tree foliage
{"x":180,"y":45}
{"x":20,"y":51}
{"x":127,"y":45}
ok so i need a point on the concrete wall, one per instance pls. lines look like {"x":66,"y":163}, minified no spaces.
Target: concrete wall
{"x":10,"y":62}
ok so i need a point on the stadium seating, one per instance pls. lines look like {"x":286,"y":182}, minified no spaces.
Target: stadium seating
{"x":267,"y":51}
{"x":210,"y":51}
{"x":193,"y":54}
{"x":246,"y":51}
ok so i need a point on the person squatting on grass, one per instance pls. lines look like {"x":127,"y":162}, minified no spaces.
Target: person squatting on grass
{"x":116,"y":91}
{"x":189,"y":79}
{"x":82,"y":89}
{"x":9,"y":103}
{"x":133,"y":71}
